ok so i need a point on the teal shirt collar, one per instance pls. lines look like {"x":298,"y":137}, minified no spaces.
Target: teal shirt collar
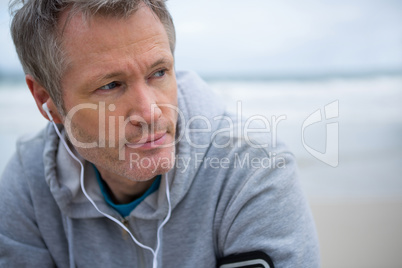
{"x":125,"y":209}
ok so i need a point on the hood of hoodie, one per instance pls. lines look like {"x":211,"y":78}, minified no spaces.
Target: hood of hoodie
{"x":62,"y":173}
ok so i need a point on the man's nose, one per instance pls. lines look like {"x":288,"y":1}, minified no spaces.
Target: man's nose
{"x":144,"y":106}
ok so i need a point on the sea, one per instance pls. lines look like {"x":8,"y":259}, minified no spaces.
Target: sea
{"x":346,"y":132}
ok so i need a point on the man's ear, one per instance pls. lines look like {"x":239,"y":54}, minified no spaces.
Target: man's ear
{"x":41,"y":96}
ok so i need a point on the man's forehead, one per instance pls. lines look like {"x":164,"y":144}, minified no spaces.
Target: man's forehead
{"x":75,"y":18}
{"x":99,"y":33}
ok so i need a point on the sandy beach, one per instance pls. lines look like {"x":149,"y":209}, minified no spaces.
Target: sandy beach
{"x":359,"y":233}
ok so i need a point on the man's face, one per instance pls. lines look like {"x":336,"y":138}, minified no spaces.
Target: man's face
{"x":121,"y":74}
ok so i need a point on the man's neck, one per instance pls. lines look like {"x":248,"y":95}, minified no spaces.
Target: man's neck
{"x":124,"y":190}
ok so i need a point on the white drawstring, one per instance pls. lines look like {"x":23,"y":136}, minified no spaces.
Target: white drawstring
{"x":154,"y":252}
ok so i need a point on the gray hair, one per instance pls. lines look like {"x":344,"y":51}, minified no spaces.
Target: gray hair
{"x":35,"y":33}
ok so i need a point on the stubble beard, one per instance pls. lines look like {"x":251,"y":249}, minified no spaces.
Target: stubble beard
{"x":108,"y":157}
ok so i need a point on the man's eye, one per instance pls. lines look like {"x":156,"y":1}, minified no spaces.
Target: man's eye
{"x":109,"y":86}
{"x":160,"y":73}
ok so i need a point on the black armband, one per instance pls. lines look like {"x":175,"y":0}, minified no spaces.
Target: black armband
{"x":254,"y":259}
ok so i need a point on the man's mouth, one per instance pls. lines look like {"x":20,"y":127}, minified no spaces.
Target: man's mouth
{"x":152,"y":141}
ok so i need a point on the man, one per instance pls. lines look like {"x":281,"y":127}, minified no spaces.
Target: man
{"x":144,"y":168}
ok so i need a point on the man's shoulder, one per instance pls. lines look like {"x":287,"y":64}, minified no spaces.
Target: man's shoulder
{"x":196,"y":97}
{"x":30,"y":147}
{"x":23,"y":172}
{"x":235,"y":137}
{"x":244,"y":161}
{"x":28,"y":157}
{"x":186,"y":77}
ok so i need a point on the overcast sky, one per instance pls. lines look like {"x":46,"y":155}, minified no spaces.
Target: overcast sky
{"x":229,"y":37}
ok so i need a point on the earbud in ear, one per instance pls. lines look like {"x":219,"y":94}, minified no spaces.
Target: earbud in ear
{"x":46,"y":109}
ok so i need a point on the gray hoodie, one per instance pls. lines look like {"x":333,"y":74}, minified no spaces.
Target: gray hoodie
{"x":224,"y":200}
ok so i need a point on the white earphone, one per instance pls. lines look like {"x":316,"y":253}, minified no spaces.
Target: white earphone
{"x":46,"y":109}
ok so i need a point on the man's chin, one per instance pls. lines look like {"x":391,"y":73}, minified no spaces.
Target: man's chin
{"x":145,"y":175}
{"x":142,"y":167}
{"x":142,"y":175}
